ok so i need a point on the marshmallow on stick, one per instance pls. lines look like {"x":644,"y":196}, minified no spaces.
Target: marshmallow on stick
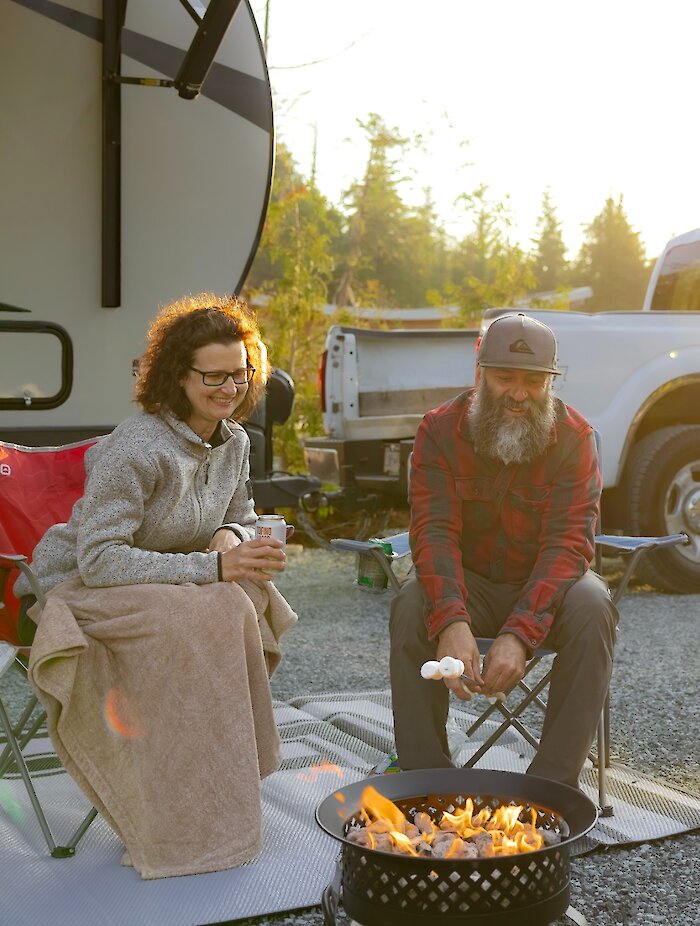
{"x":449,"y":667}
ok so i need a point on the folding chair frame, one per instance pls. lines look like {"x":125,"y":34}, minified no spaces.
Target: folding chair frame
{"x":18,"y":735}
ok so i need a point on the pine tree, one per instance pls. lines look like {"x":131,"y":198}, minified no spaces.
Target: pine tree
{"x":549,"y":258}
{"x":488,"y":269}
{"x":291,"y":272}
{"x":612,"y":261}
{"x":375,"y":224}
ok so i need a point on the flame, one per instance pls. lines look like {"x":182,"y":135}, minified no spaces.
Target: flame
{"x":119,"y":716}
{"x":495,"y":832}
{"x":402,"y":842}
{"x":325,"y":768}
{"x":378,"y":807}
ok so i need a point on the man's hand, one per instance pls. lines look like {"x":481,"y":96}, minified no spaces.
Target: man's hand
{"x":457,"y":640}
{"x":504,"y":664}
{"x":223,"y":540}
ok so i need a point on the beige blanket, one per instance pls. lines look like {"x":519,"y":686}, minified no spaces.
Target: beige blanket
{"x":159,"y":707}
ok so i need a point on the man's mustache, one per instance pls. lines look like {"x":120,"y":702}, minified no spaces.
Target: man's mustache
{"x":507,"y":402}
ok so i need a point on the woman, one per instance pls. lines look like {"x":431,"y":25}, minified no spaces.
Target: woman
{"x":151,"y":658}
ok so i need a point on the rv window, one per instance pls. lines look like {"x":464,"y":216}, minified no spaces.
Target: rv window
{"x":36,"y":365}
{"x":678,"y":286}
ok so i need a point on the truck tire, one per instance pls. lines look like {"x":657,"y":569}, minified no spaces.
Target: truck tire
{"x":663,"y":497}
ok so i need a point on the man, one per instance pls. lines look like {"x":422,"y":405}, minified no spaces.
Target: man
{"x":504,"y":495}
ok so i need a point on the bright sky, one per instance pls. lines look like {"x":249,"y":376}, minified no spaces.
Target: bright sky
{"x":587,"y":99}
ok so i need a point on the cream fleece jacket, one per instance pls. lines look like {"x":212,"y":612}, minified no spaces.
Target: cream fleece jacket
{"x":155,"y":492}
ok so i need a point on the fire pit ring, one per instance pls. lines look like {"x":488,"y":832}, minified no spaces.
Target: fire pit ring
{"x":387,"y":889}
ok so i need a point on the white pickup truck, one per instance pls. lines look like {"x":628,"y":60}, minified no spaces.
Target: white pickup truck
{"x":635,"y":375}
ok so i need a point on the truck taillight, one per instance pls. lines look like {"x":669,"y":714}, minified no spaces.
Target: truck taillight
{"x":322,"y":379}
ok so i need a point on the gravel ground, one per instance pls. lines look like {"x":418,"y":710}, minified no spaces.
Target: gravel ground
{"x":341,"y":644}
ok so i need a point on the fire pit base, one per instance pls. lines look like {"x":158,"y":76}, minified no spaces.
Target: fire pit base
{"x":367,"y":915}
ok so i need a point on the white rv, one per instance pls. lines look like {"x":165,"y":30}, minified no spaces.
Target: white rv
{"x":135,"y":166}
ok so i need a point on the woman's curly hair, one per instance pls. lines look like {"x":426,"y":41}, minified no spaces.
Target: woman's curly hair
{"x":179,"y":330}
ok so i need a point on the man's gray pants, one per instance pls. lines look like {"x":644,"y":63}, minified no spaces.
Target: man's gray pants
{"x":582,"y":634}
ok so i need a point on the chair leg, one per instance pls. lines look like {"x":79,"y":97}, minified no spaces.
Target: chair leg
{"x":621,"y":586}
{"x":385,"y":564}
{"x":511,"y":720}
{"x":13,"y":750}
{"x":26,"y":778}
{"x":484,"y":716}
{"x":605,"y":807}
{"x":7,"y":756}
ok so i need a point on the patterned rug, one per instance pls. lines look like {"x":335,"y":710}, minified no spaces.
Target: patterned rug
{"x":329,"y":741}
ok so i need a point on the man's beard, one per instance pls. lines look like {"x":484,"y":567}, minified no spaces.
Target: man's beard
{"x":510,"y":440}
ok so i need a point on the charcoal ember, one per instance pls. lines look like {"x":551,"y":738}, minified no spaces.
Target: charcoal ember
{"x":383,"y":842}
{"x":470,"y":850}
{"x":453,"y":847}
{"x":424,"y":849}
{"x":444,"y":836}
{"x":360,"y":837}
{"x":484,"y":844}
{"x":550,"y":837}
{"x":410,"y":830}
{"x":448,"y":826}
{"x":379,"y":826}
{"x":424,"y":822}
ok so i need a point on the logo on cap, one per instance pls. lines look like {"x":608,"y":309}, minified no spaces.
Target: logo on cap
{"x":520,"y":347}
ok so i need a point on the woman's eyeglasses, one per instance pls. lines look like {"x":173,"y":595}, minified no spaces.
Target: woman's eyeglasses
{"x":218,"y":377}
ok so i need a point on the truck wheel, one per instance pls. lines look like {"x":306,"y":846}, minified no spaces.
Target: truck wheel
{"x":663,"y":497}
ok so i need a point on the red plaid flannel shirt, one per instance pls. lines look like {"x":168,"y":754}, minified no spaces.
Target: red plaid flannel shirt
{"x":532,"y":524}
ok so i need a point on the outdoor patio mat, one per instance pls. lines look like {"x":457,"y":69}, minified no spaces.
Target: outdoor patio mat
{"x":329,"y":740}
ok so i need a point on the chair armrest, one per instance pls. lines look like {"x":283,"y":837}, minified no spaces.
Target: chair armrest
{"x":11,"y":560}
{"x":345,"y":545}
{"x":632,"y":544}
{"x":399,"y":545}
{"x":18,"y":561}
{"x":399,"y":548}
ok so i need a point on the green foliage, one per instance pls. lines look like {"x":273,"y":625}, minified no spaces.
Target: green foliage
{"x":292,"y":269}
{"x":549,"y":265}
{"x":612,"y":261}
{"x":488,"y":269}
{"x":393,"y":252}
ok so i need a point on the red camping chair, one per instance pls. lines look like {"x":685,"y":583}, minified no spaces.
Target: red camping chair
{"x":38,"y":488}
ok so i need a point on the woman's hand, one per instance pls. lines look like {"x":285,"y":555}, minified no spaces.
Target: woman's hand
{"x":254,"y":559}
{"x":223,"y":540}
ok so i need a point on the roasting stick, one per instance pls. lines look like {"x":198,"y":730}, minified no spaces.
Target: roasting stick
{"x":449,"y":667}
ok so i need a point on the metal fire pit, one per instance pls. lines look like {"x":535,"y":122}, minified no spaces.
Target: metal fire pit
{"x":386,"y":889}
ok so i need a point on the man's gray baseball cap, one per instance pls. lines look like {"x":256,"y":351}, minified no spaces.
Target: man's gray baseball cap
{"x":518,"y":342}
